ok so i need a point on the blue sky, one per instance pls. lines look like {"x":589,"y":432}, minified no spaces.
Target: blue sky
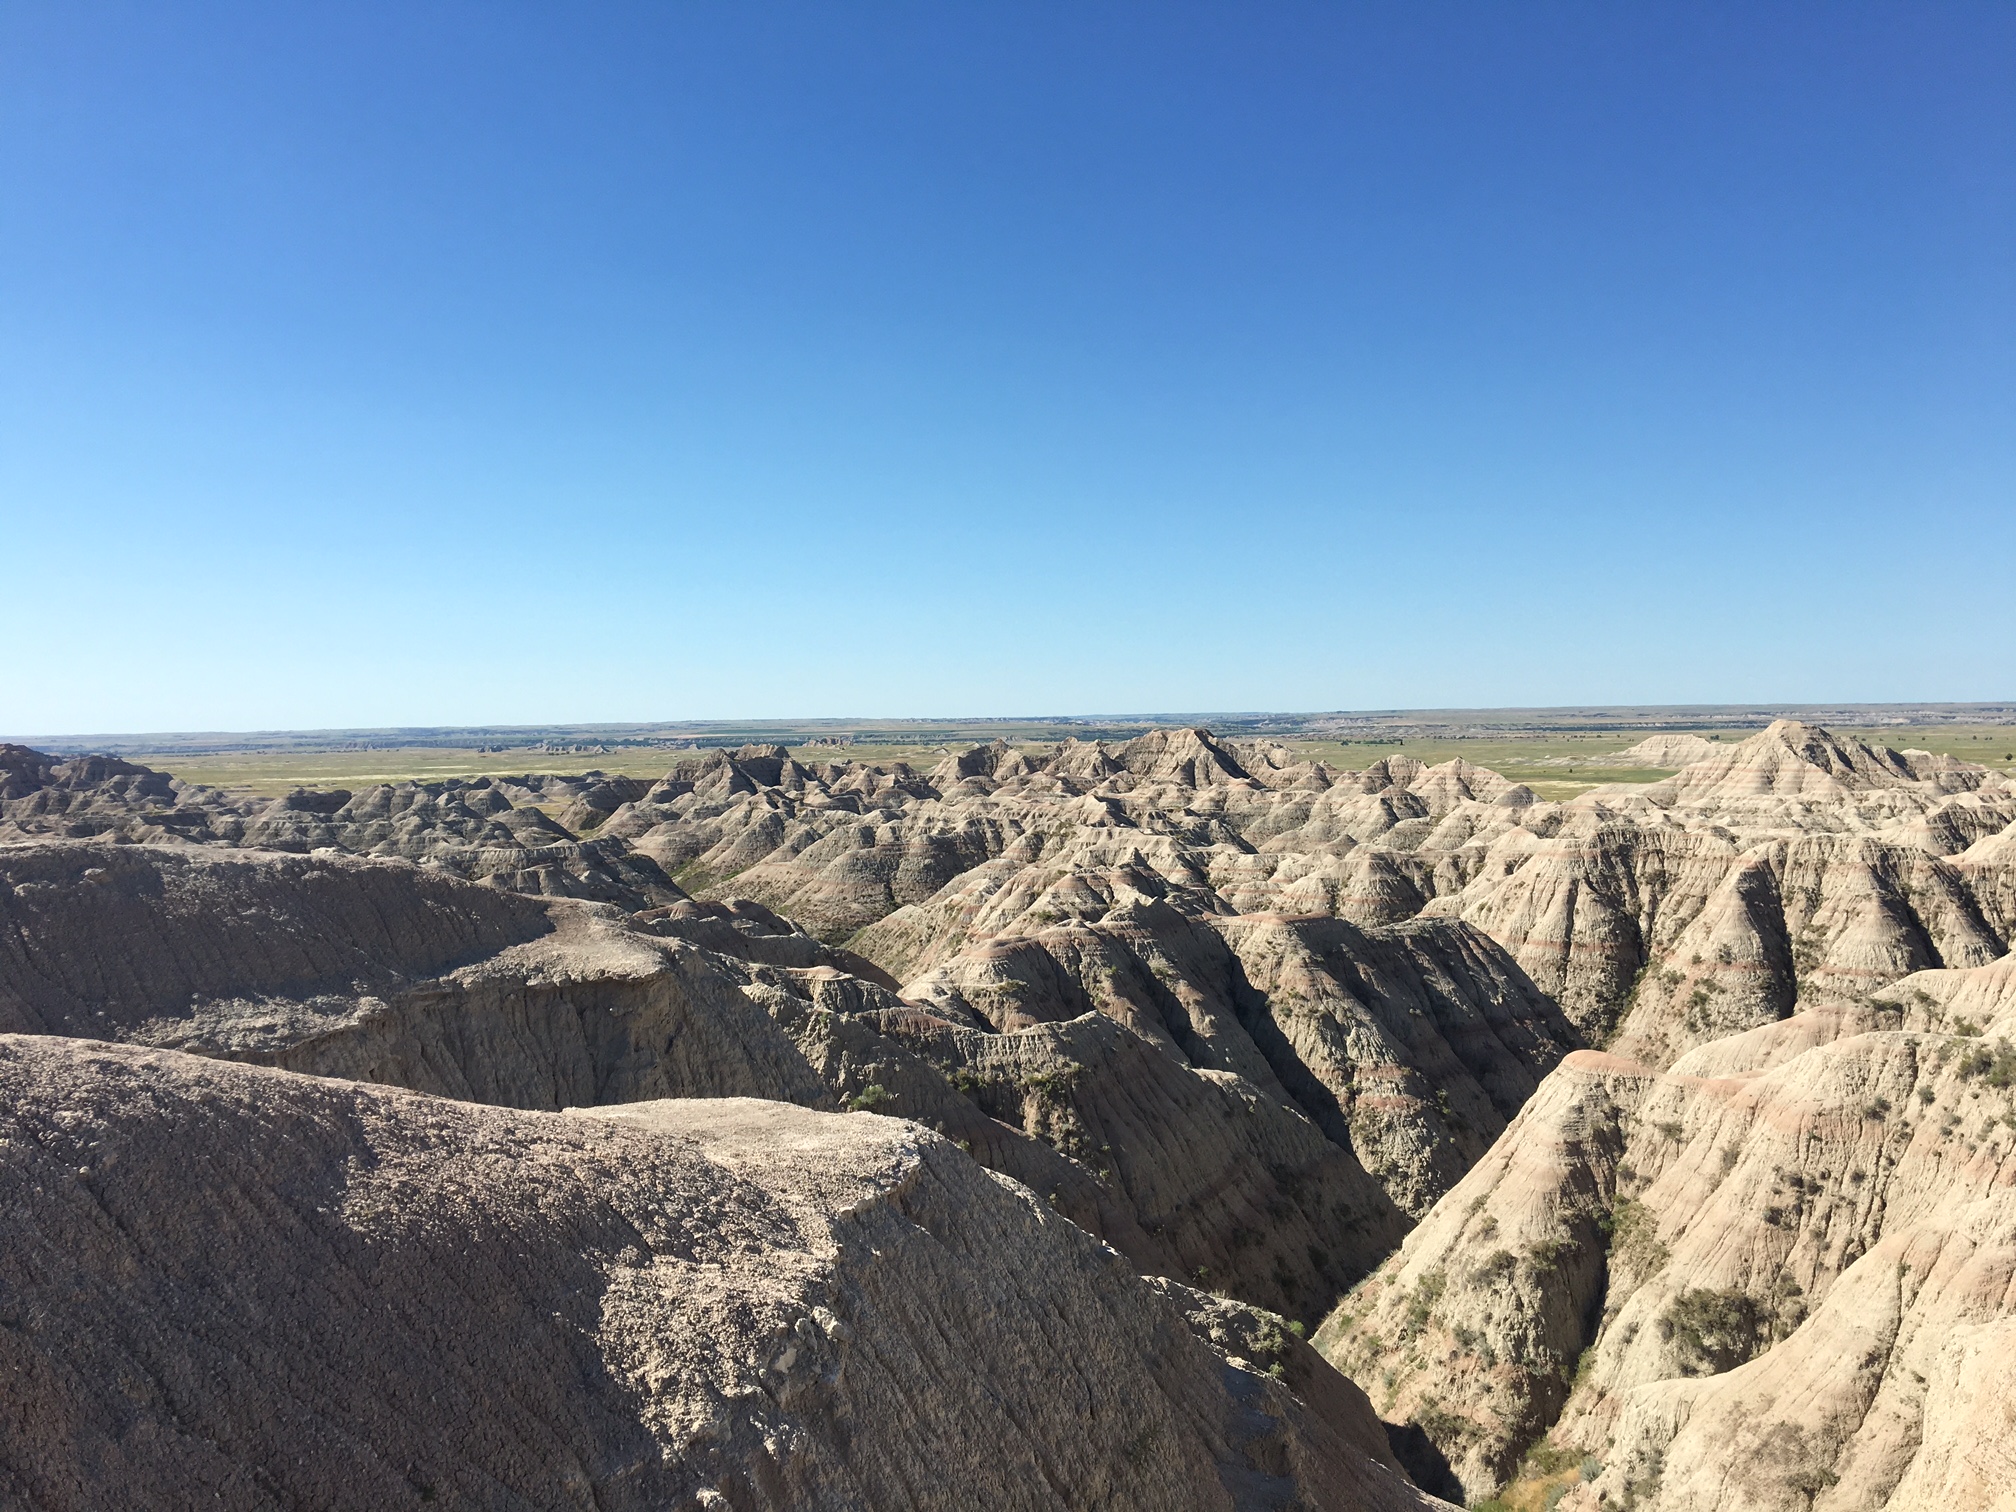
{"x":433,"y":363}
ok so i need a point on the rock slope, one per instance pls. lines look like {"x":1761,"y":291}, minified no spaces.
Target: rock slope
{"x":1773,"y":1276}
{"x":1243,"y":1017}
{"x":490,"y":829}
{"x":1378,"y":952}
{"x":384,"y":972}
{"x":233,"y":1287}
{"x":1792,"y":867}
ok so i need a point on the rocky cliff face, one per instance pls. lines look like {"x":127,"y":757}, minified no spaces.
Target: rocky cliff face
{"x":1321,"y":1058}
{"x":386,"y":973}
{"x":145,"y":942}
{"x":1754,"y":1280}
{"x":1794,"y":867}
{"x":1791,"y":867}
{"x":244,"y":1288}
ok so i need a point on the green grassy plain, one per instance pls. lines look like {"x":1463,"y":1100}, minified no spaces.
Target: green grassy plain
{"x":1991,"y":745}
{"x":272,"y":773}
{"x":1554,"y":766}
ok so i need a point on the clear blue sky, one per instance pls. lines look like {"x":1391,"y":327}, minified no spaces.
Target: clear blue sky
{"x":433,"y":363}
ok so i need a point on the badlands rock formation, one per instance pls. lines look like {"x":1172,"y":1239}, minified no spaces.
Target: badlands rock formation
{"x":1243,"y":1017}
{"x":225,"y":1286}
{"x":1666,"y":752}
{"x":1792,"y":866}
{"x":1780,"y":1274}
{"x":1789,"y":867}
{"x":387,"y":973}
{"x":492,"y":829}
{"x":1238,"y":1158}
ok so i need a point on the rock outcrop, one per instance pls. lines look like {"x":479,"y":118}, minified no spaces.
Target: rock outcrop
{"x":233,"y":1287}
{"x":1245,"y":1018}
{"x":1790,"y":868}
{"x":490,"y":829}
{"x":1665,"y":751}
{"x":1765,"y":1278}
{"x":45,"y":796}
{"x":383,"y":972}
{"x":1379,"y":951}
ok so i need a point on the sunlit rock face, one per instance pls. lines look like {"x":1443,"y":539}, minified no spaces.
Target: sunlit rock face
{"x":244,"y":1287}
{"x":1776,"y":1273}
{"x":1292,"y":1038}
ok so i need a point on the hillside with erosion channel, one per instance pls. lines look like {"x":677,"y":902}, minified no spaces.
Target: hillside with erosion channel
{"x":1188,"y":1120}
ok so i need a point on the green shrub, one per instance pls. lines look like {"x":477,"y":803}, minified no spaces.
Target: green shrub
{"x":1712,"y":1331}
{"x":1427,"y":1292}
{"x":1496,"y":1266}
{"x":1634,"y":1239}
{"x":1544,"y":1257}
{"x":1449,"y":1430}
{"x":1997,"y":1065}
{"x":1547,"y":1459}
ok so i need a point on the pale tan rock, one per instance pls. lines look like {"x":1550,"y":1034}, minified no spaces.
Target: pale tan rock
{"x":1238,"y":1188}
{"x":1256,"y":1339}
{"x":1768,"y":1045}
{"x":1724,"y":1242}
{"x":242,"y":1288}
{"x":1988,"y":867}
{"x":381,"y":972}
{"x":1169,"y":985}
{"x":1976,"y":1002}
{"x":1792,"y":864}
{"x":44,"y":796}
{"x":1471,"y":1332}
{"x":1666,"y":751}
{"x":1788,"y":758}
{"x":1411,"y":1045}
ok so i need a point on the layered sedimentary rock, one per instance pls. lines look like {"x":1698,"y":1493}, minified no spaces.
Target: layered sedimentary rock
{"x":226,"y":1286}
{"x":490,"y":829}
{"x":1410,"y":1045}
{"x":1103,"y":896}
{"x":43,"y":796}
{"x":1666,"y":751}
{"x":1769,"y":1277}
{"x":1792,"y":867}
{"x":1243,"y":1017}
{"x":1008,"y":888}
{"x":387,"y":973}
